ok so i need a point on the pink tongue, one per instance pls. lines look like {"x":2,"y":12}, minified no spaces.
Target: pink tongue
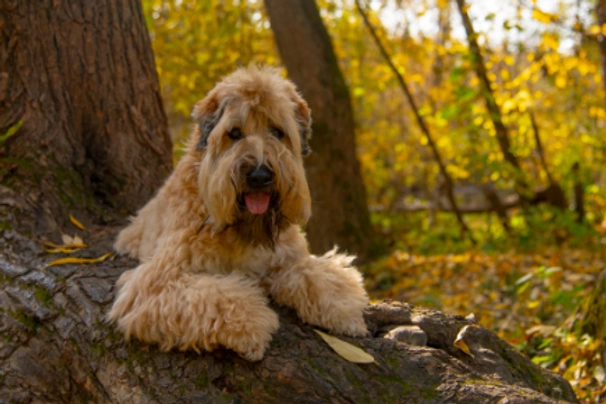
{"x":257,"y":202}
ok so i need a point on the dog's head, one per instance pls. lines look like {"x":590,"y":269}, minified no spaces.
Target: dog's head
{"x":253,"y":130}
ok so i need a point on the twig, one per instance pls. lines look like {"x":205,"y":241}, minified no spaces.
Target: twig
{"x":420,"y":122}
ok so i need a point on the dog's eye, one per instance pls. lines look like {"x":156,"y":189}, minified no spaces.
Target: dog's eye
{"x":276,"y":133}
{"x":235,"y":134}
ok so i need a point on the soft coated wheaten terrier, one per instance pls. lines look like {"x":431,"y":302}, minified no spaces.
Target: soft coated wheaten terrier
{"x":224,"y":232}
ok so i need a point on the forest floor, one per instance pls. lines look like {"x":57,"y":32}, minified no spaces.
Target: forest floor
{"x":529,"y":294}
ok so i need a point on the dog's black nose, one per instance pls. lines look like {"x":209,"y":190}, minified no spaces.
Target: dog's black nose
{"x":259,"y":177}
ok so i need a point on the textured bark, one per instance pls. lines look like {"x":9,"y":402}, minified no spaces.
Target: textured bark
{"x":340,"y":211}
{"x":81,"y":78}
{"x":56,"y":347}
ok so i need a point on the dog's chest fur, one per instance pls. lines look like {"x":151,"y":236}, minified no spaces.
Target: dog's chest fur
{"x":251,"y":261}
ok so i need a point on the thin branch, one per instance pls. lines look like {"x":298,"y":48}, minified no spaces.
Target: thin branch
{"x":539,"y":146}
{"x":420,"y":122}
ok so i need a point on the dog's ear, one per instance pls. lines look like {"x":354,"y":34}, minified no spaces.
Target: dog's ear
{"x":303,"y":117}
{"x":207,"y":113}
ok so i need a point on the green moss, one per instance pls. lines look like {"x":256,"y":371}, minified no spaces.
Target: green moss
{"x":201,"y":381}
{"x":42,"y":295}
{"x":98,"y":348}
{"x":30,"y":322}
{"x":5,"y":225}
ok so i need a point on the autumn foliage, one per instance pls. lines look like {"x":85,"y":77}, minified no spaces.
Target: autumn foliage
{"x":526,"y":273}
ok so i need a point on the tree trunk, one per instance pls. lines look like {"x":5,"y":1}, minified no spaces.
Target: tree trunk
{"x":340,"y":212}
{"x":80,"y":79}
{"x":56,"y":347}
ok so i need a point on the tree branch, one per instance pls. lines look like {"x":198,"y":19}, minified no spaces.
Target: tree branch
{"x":421,"y":122}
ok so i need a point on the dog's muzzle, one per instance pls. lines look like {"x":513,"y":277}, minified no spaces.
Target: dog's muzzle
{"x":258,"y":198}
{"x":259,"y":177}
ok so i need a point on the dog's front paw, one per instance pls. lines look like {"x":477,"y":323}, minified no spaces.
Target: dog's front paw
{"x":251,"y":339}
{"x":350,"y":324}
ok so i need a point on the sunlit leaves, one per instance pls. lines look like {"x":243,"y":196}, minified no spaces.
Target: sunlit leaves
{"x":198,"y":42}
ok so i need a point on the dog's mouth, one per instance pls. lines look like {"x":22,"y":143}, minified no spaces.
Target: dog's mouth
{"x":257,"y":202}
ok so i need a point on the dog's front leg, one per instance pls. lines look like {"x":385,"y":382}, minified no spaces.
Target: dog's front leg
{"x":162,"y":301}
{"x":326,"y":291}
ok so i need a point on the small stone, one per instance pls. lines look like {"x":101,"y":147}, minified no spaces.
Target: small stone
{"x":408,"y":334}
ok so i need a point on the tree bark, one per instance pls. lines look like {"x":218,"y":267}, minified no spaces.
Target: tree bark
{"x":80,"y":79}
{"x":340,"y":210}
{"x":56,"y":347}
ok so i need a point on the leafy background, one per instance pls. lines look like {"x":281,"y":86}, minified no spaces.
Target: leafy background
{"x":542,"y":61}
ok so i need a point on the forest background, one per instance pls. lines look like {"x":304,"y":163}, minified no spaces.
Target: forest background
{"x":502,"y":113}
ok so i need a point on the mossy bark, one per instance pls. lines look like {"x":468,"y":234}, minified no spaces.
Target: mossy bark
{"x":82,"y":127}
{"x":57,"y":347}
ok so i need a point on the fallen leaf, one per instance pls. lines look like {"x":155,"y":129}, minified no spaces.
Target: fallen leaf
{"x":76,"y":223}
{"x":72,"y":245}
{"x":348,"y":351}
{"x":74,"y":260}
{"x":67,"y":239}
{"x":460,"y":342}
{"x":62,"y":250}
{"x":77,"y":240}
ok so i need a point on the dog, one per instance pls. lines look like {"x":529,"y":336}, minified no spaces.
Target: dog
{"x":223,"y":234}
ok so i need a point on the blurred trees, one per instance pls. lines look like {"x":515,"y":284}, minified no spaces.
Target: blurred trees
{"x":542,"y":77}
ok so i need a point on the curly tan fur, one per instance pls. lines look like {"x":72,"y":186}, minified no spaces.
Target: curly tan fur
{"x":208,"y":265}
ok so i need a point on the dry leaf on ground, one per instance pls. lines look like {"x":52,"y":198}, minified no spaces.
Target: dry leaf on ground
{"x":74,"y":260}
{"x":76,"y":223}
{"x":348,"y":351}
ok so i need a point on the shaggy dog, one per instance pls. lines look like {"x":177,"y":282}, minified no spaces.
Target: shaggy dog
{"x":224,"y":231}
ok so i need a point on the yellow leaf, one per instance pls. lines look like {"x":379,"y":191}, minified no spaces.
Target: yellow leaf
{"x":460,"y":342}
{"x":71,"y":245}
{"x":76,"y":223}
{"x":77,"y":240}
{"x":74,"y":260}
{"x":66,"y":239}
{"x":543,"y":17}
{"x":61,"y":250}
{"x":348,"y":351}
{"x":551,"y":41}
